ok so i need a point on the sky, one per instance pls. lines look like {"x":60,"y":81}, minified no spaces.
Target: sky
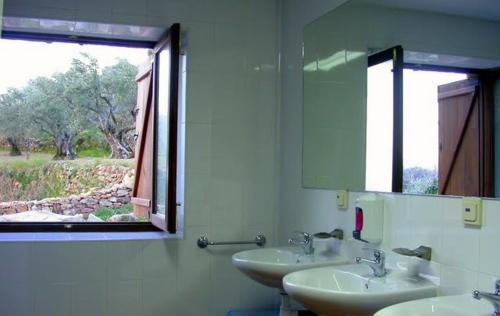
{"x":21,"y":61}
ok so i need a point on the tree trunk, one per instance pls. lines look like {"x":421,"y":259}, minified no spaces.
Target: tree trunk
{"x":119,"y":148}
{"x":65,"y":145}
{"x":14,"y":146}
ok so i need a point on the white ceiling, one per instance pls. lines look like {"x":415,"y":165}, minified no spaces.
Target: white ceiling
{"x":483,"y":9}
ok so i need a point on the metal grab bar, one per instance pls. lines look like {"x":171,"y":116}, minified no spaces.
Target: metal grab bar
{"x":203,"y":242}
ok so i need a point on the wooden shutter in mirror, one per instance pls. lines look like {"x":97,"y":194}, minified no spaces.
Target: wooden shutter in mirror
{"x":465,"y":139}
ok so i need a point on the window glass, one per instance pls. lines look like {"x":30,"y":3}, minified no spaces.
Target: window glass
{"x":163,"y":95}
{"x":379,"y":128}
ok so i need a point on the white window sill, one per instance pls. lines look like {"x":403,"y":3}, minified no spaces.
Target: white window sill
{"x":65,"y":237}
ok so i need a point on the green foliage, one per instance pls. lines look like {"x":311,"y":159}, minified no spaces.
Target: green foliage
{"x":106,"y":212}
{"x":86,"y":107}
{"x":40,"y":178}
{"x":91,"y":143}
{"x":94,"y":153}
{"x":14,"y":114}
{"x":419,"y":180}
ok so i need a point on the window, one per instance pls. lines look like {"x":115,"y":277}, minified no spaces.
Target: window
{"x":97,"y":107}
{"x":384,"y":168}
{"x":430,"y":126}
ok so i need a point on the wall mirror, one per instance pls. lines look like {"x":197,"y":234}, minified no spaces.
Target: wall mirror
{"x":399,"y":100}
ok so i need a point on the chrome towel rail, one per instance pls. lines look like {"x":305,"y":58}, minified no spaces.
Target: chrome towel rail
{"x":203,"y":242}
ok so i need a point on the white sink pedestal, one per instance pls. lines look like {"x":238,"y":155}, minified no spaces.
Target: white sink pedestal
{"x":286,"y":307}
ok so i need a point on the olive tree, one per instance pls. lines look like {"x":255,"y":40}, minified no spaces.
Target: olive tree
{"x":13,"y":119}
{"x":108,"y":97}
{"x":53,"y":115}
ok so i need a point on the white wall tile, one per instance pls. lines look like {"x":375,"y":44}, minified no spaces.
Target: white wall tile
{"x":457,"y":281}
{"x":158,"y":296}
{"x":489,"y":257}
{"x":124,"y":260}
{"x":460,"y":244}
{"x":463,"y":257}
{"x":89,"y":299}
{"x":231,"y":117}
{"x":53,"y":299}
{"x":124,"y":297}
{"x":17,"y":298}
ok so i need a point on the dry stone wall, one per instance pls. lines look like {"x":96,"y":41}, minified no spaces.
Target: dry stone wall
{"x":117,"y":193}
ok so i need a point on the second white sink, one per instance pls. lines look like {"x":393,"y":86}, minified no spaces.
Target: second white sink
{"x":352,"y":289}
{"x":269,"y":265}
{"x":456,"y":305}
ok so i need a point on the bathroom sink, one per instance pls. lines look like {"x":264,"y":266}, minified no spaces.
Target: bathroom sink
{"x":456,"y":305}
{"x":353,"y":290}
{"x":269,"y":265}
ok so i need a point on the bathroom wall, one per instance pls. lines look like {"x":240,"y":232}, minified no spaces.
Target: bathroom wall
{"x":463,"y":257}
{"x":300,"y":209}
{"x":231,"y":51}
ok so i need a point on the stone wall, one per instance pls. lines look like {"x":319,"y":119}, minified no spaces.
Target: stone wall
{"x":120,"y":182}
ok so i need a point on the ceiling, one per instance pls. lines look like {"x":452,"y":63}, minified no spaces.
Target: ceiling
{"x":482,"y":9}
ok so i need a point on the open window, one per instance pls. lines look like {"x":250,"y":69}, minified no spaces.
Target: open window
{"x":384,"y":167}
{"x":155,"y":188}
{"x":142,"y":121}
{"x":430,"y":123}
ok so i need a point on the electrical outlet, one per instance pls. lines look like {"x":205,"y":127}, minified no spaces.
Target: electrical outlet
{"x":472,"y":211}
{"x":342,"y":198}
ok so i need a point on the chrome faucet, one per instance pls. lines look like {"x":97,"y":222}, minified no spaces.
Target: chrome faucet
{"x":493,"y":298}
{"x":305,"y":241}
{"x":377,"y":264}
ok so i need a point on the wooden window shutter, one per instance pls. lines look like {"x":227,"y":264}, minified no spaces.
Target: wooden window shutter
{"x":142,"y":194}
{"x":465,"y":139}
{"x":155,"y":187}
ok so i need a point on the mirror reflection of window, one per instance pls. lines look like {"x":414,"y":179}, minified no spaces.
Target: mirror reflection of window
{"x":379,"y":128}
{"x":420,"y":125}
{"x":163,"y":130}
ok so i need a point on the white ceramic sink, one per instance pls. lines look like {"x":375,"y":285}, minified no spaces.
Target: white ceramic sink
{"x":456,"y":305}
{"x":269,"y":265}
{"x":352,"y":289}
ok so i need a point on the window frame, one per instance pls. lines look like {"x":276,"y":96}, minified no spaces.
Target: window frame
{"x":171,"y":40}
{"x":396,"y":55}
{"x":72,"y":227}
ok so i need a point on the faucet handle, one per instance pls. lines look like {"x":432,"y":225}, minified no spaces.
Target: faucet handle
{"x":305,"y":235}
{"x":377,"y":253}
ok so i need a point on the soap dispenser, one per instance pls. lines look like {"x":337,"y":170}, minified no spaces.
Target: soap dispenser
{"x":369,"y":219}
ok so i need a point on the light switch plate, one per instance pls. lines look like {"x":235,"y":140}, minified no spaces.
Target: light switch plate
{"x":342,"y":198}
{"x":472,"y":211}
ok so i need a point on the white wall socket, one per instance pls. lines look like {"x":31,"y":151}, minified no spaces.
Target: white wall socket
{"x":472,"y":211}
{"x":342,"y":198}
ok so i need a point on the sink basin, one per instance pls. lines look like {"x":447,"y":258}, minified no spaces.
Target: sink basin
{"x":352,"y":289}
{"x":269,"y":265}
{"x":456,"y":305}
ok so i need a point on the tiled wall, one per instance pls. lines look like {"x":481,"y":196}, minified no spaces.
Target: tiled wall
{"x":300,"y":209}
{"x":463,"y":257}
{"x":230,"y":178}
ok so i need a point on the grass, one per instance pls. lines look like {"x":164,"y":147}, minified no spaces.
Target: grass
{"x":41,"y":177}
{"x":105,"y":213}
{"x":36,"y":159}
{"x":94,"y":153}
